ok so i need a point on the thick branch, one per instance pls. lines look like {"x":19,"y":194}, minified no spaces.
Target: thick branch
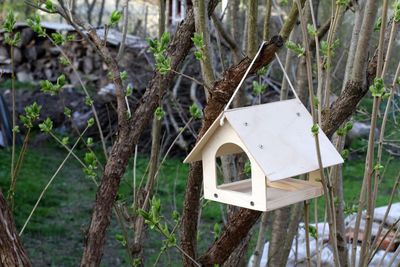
{"x":12,"y":251}
{"x":128,"y":135}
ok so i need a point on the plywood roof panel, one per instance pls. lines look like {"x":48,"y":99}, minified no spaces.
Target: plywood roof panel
{"x":278,"y":135}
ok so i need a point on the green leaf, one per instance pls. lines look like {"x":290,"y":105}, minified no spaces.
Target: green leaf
{"x":89,"y":141}
{"x":58,"y":38}
{"x":46,"y":126}
{"x":90,"y":158}
{"x":129,"y":90}
{"x":35,"y":24}
{"x":49,"y":5}
{"x":16,"y":129}
{"x":195,"y":111}
{"x":296,"y":48}
{"x":315,"y":129}
{"x":198,"y":55}
{"x":262,"y":71}
{"x":115,"y":18}
{"x":64,"y":61}
{"x":88,"y":101}
{"x":47,"y":87}
{"x":378,"y":167}
{"x":123,"y":75}
{"x":9,"y":22}
{"x":345,"y":154}
{"x":12,"y":39}
{"x":67,"y":112}
{"x":311,"y":30}
{"x":217,"y":230}
{"x":32,"y":113}
{"x":61,"y":81}
{"x":341,"y":2}
{"x":175,"y":216}
{"x":313,"y":231}
{"x":90,"y":122}
{"x":315,"y":101}
{"x":378,"y":88}
{"x":65,"y":140}
{"x":198,"y":40}
{"x":165,"y":39}
{"x":258,"y":88}
{"x":378,"y":23}
{"x":396,"y":11}
{"x":247,"y":168}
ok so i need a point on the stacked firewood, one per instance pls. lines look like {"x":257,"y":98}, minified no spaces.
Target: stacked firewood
{"x":37,"y":58}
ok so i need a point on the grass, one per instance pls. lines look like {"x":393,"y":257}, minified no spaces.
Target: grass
{"x":6,"y":84}
{"x":54,"y":236}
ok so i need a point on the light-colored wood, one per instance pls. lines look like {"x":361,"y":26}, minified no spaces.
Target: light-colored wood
{"x":277,"y":139}
{"x":278,"y":136}
{"x":254,"y":198}
{"x":284,"y":185}
{"x":276,"y":198}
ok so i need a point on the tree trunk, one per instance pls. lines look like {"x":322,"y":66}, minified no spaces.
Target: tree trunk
{"x":12,"y":253}
{"x":128,"y":135}
{"x":279,"y":229}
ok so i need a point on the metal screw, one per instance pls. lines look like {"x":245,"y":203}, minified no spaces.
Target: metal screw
{"x":298,"y":114}
{"x":216,"y":195}
{"x":260,"y":146}
{"x":245,"y":124}
{"x":251,"y":203}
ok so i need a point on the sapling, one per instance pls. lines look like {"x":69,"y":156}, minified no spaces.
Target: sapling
{"x":12,"y":39}
{"x":28,"y":119}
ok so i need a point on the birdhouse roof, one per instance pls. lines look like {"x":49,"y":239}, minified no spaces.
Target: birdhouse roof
{"x":278,"y":136}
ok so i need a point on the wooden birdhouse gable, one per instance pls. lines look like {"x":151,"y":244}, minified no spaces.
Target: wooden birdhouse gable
{"x":279,"y":144}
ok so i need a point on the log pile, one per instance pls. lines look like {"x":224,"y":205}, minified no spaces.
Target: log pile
{"x":36,"y":58}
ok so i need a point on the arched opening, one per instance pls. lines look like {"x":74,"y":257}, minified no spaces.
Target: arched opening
{"x":232,"y":168}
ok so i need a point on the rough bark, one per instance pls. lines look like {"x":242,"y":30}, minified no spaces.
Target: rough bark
{"x":12,"y":253}
{"x":128,"y":135}
{"x":221,"y":92}
{"x":234,"y":232}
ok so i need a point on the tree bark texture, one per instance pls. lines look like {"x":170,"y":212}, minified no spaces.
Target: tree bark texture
{"x":128,"y":135}
{"x":12,"y":253}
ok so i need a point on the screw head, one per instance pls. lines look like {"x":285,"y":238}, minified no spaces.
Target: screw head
{"x":260,"y":146}
{"x":298,"y":114}
{"x":251,"y":203}
{"x":246,"y":124}
{"x":216,"y":195}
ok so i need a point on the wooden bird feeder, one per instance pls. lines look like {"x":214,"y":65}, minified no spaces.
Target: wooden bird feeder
{"x":277,"y":139}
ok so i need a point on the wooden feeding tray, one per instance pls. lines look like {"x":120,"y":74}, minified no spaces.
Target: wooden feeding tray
{"x":279,"y":194}
{"x":277,"y":139}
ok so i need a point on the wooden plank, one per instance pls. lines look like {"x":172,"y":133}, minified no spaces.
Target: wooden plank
{"x":278,"y":136}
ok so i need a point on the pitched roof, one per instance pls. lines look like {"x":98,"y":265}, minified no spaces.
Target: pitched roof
{"x":278,"y":136}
